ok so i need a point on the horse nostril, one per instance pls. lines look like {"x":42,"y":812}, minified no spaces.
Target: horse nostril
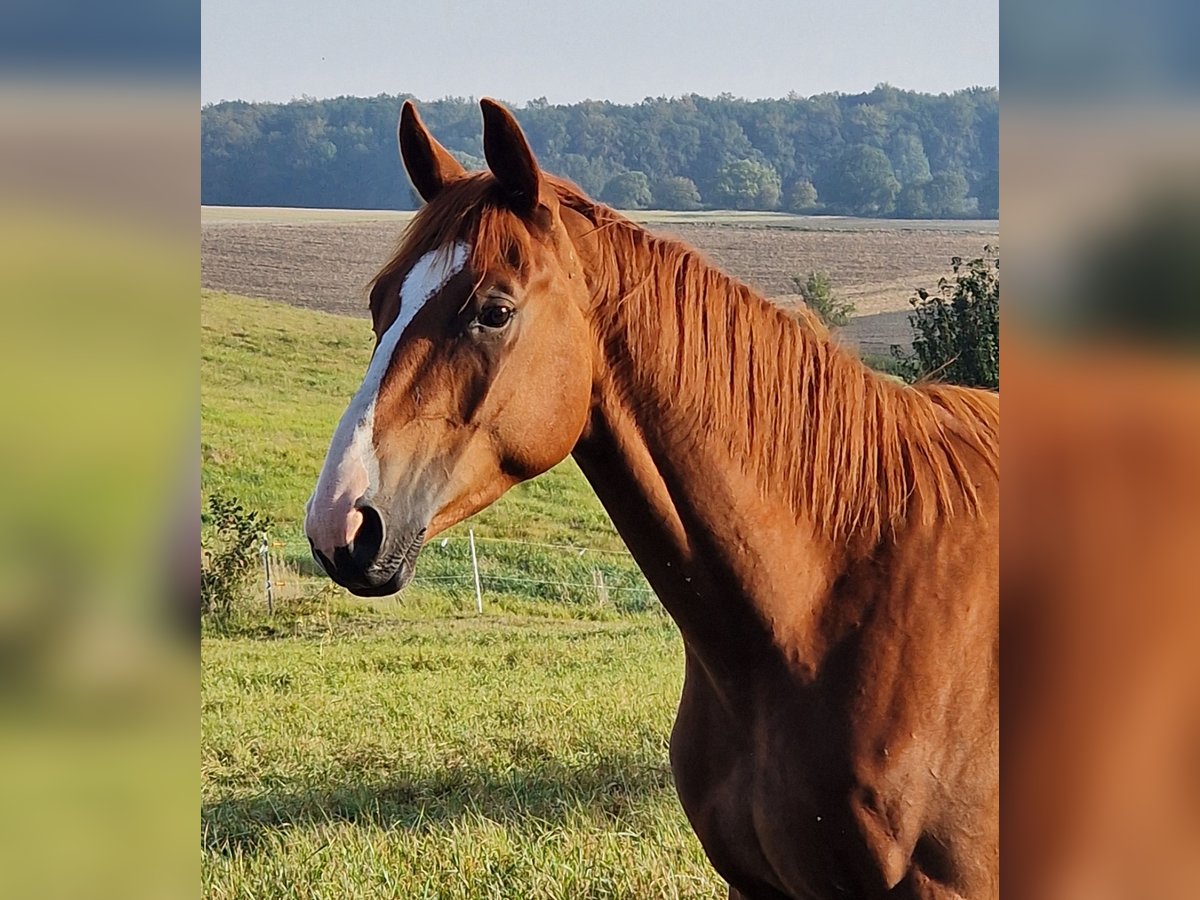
{"x":368,"y":540}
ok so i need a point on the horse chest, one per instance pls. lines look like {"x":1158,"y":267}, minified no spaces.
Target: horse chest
{"x":776,"y":818}
{"x":768,"y":827}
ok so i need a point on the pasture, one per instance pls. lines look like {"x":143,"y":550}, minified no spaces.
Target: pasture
{"x":393,"y":752}
{"x":408,"y":747}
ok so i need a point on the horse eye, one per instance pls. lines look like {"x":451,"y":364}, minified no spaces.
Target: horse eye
{"x":495,"y":316}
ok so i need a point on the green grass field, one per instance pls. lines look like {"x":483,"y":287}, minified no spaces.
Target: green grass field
{"x":407,"y":747}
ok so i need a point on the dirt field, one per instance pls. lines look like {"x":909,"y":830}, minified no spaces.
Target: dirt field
{"x":323,"y":259}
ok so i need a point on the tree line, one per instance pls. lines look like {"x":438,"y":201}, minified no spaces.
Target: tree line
{"x":884,"y":153}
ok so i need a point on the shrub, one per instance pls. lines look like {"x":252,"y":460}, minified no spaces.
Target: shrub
{"x":957,"y":330}
{"x":817,"y":292}
{"x":229,"y":555}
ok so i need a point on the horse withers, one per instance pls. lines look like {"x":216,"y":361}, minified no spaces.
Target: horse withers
{"x":825,"y":538}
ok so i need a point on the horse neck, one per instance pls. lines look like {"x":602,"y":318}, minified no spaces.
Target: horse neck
{"x":749,"y":461}
{"x":670,"y":435}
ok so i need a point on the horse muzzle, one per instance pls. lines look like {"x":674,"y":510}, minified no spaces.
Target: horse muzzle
{"x":378,"y":560}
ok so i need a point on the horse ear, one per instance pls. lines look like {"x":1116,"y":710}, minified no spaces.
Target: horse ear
{"x":430,"y":165}
{"x":509,"y":157}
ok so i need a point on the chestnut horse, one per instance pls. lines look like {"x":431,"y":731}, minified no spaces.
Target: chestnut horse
{"x":825,"y":538}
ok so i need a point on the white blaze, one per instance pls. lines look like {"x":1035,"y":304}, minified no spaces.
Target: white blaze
{"x":351,"y":469}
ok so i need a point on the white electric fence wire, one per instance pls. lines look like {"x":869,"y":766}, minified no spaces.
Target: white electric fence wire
{"x":476,"y":575}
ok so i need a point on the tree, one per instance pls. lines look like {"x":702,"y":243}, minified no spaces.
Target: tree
{"x":909,"y":161}
{"x":868,"y":124}
{"x":988,"y":192}
{"x":946,"y":195}
{"x":676,"y":192}
{"x":747,"y":184}
{"x":859,"y":181}
{"x":957,"y":330}
{"x":801,"y":196}
{"x":629,"y":190}
{"x":910,"y":202}
{"x":816,"y":290}
{"x":341,"y":152}
{"x":590,"y":173}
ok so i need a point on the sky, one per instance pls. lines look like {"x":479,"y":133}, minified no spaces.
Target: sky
{"x":618,"y":50}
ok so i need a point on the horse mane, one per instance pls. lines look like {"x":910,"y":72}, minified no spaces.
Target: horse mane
{"x":856,"y":451}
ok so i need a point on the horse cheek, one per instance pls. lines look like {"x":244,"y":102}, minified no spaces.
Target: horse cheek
{"x":544,"y":424}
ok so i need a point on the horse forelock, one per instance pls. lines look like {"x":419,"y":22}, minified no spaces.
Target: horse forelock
{"x":471,"y":211}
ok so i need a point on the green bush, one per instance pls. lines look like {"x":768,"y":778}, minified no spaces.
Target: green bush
{"x":229,"y":555}
{"x":957,"y":330}
{"x":817,"y":292}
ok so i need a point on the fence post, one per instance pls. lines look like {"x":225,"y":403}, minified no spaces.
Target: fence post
{"x":600,"y":586}
{"x":264,"y":551}
{"x":475,"y":569}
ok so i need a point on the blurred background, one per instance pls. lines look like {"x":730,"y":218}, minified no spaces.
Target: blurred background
{"x":1101,"y":196}
{"x":99,"y":183}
